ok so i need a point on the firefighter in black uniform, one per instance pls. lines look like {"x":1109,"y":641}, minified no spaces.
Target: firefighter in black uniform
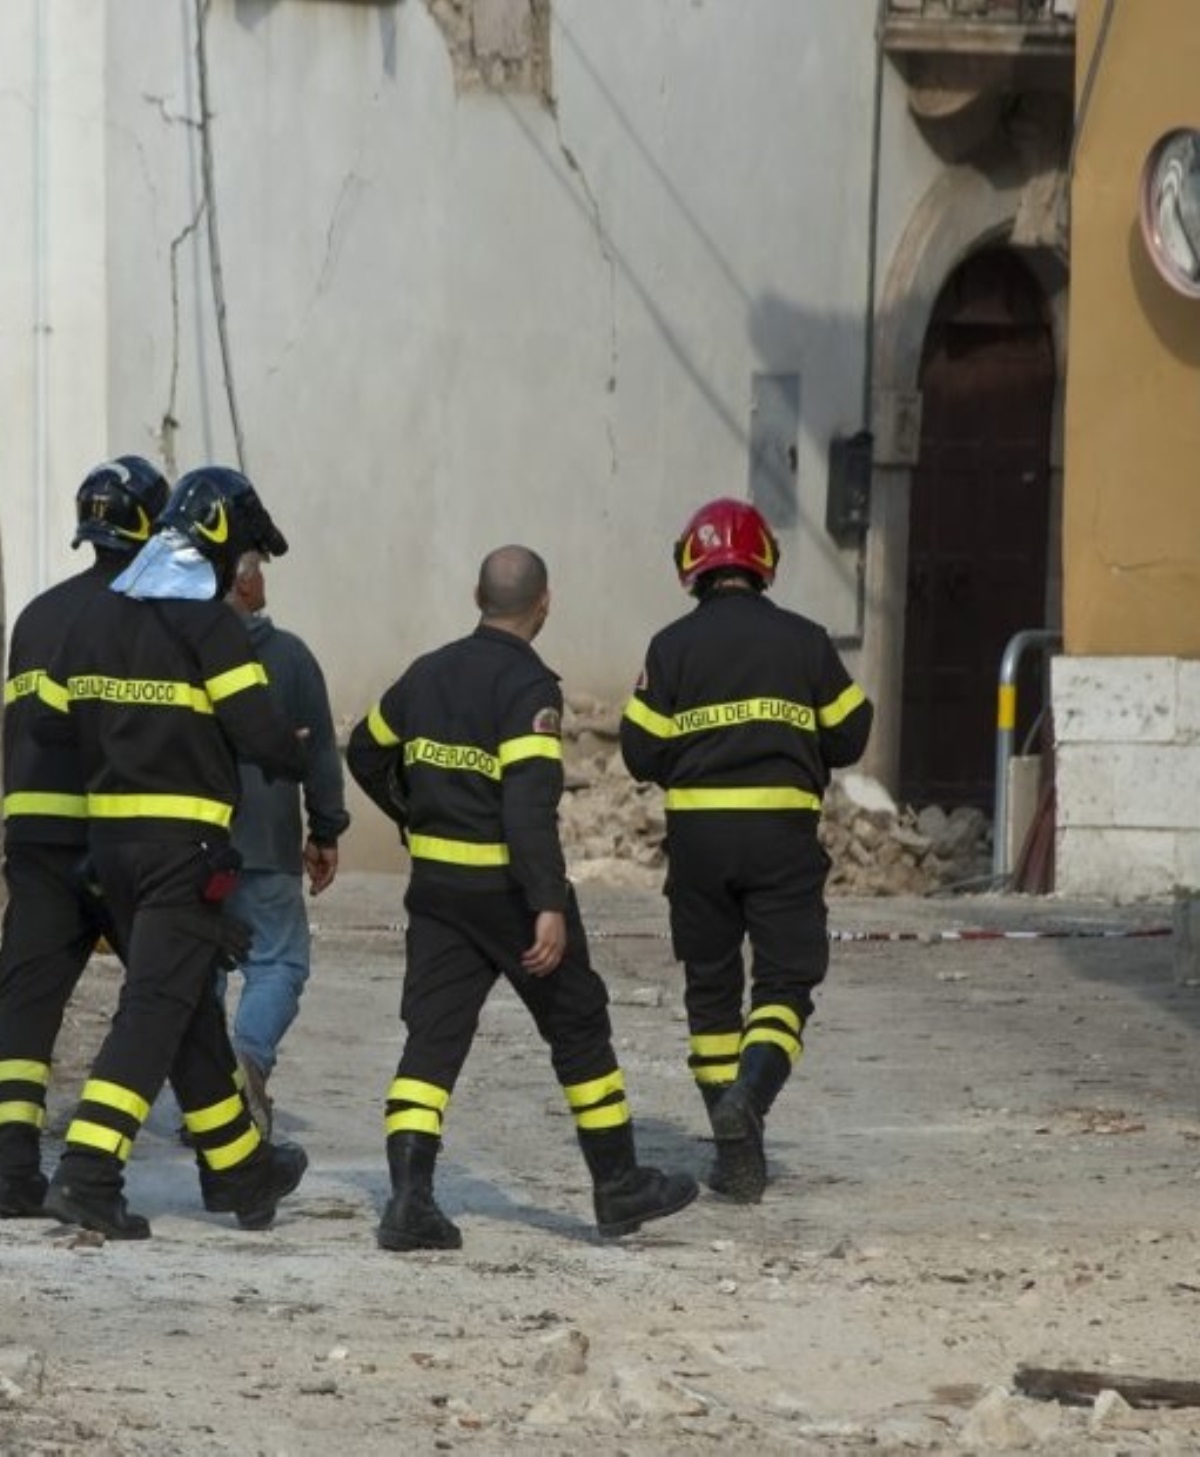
{"x":52,"y":923}
{"x":156,"y":686}
{"x":741,"y":711}
{"x":464,"y":752}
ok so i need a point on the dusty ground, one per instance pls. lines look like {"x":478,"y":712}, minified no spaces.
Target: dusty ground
{"x":989,"y":1157}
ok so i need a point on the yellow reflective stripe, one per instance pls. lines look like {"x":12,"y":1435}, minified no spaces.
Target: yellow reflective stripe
{"x":37,"y":802}
{"x":611,"y":1115}
{"x":53,"y":694}
{"x":145,"y":692}
{"x":456,"y":852}
{"x":413,"y":1120}
{"x":236,"y":680}
{"x":236,"y":1152}
{"x":776,"y":1012}
{"x":1006,"y":707}
{"x":716,"y":1077}
{"x":842,"y":706}
{"x":742,"y":799}
{"x":217,"y":1115}
{"x":580,"y":1095}
{"x":640,"y":713}
{"x":744,"y":710}
{"x":412,"y":1090}
{"x":21,"y":685}
{"x":530,"y":746}
{"x":16,"y":1112}
{"x":468,"y":757}
{"x":785,"y":1040}
{"x":22,"y":1070}
{"x":716,"y":1044}
{"x":377,"y":727}
{"x":160,"y":807}
{"x":113,"y":1095}
{"x":96,"y":1135}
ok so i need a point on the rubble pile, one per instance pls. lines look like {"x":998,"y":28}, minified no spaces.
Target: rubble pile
{"x":613,"y":828}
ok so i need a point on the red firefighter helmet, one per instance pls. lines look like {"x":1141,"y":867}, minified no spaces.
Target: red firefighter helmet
{"x":726,"y":533}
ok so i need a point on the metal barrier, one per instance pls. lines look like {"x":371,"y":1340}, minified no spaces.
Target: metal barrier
{"x":1006,"y":727}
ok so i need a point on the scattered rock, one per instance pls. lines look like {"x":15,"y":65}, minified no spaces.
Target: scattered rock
{"x":563,"y":1353}
{"x":613,"y":828}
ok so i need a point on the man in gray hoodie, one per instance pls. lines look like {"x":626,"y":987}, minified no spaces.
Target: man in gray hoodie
{"x":281,"y":840}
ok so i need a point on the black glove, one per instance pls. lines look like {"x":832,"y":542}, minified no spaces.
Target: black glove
{"x":235,"y":940}
{"x":231,"y":937}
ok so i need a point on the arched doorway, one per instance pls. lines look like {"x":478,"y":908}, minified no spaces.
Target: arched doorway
{"x":979,"y":525}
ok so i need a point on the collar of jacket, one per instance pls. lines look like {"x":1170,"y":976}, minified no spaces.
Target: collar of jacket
{"x":510,"y":639}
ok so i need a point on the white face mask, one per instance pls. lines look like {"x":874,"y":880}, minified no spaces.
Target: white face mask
{"x":168,"y":566}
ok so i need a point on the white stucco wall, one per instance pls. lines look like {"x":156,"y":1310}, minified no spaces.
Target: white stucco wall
{"x":455,"y":318}
{"x":1127,"y":736}
{"x":53,"y":301}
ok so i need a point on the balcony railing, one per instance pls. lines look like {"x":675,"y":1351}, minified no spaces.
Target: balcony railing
{"x":980,"y":26}
{"x":1000,"y":12}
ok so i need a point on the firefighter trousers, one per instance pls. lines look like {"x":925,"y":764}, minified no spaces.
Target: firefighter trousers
{"x":458,"y":945}
{"x":51,"y":927}
{"x":168,"y":1021}
{"x":739,"y":874}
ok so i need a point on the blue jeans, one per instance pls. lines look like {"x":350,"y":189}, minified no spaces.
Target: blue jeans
{"x":274,"y":973}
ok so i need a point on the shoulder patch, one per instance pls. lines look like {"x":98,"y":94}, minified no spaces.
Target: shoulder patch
{"x":643,"y":682}
{"x":547,"y":721}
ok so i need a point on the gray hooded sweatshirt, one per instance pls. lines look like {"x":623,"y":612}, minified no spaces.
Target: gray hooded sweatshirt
{"x":267,"y":827}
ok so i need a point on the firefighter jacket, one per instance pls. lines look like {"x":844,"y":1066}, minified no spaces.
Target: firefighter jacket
{"x":158,"y":697}
{"x":464,"y":752}
{"x":44,"y":800}
{"x":743,"y":705}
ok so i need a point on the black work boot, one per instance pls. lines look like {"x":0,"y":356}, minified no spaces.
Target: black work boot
{"x":253,"y":1189}
{"x":412,"y":1219}
{"x":86,"y":1190}
{"x":22,"y":1196}
{"x":22,"y":1183}
{"x":712,"y":1093}
{"x":737,"y":1122}
{"x":626,"y":1195}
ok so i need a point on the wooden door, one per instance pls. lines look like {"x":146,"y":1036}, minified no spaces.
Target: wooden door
{"x":979,"y":527}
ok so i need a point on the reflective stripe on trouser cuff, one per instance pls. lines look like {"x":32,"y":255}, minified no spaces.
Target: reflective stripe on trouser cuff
{"x":747,"y":798}
{"x":776,"y":1024}
{"x":96,"y":1138}
{"x":714,"y":1057}
{"x":413,"y":1120}
{"x":17,"y":1112}
{"x":216,"y":1115}
{"x":25,"y":1070}
{"x":112,"y":1095}
{"x":456,"y":852}
{"x":415,"y":1106}
{"x":237,"y":1151}
{"x":598,"y":1103}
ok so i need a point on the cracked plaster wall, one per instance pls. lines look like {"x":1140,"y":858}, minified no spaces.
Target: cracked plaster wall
{"x":458,"y":314}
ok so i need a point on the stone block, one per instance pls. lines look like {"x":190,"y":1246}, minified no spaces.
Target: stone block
{"x":1116,"y":865}
{"x":1114,"y":700}
{"x":1156,"y":786}
{"x":1187,"y":710}
{"x":1084,"y":792}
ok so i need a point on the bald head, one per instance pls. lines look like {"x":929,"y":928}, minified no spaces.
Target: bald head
{"x":512,"y":592}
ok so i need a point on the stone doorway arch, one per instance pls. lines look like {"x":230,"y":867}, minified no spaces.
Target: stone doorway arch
{"x":965,"y":210}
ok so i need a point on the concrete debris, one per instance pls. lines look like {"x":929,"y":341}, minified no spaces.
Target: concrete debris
{"x":878,"y":848}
